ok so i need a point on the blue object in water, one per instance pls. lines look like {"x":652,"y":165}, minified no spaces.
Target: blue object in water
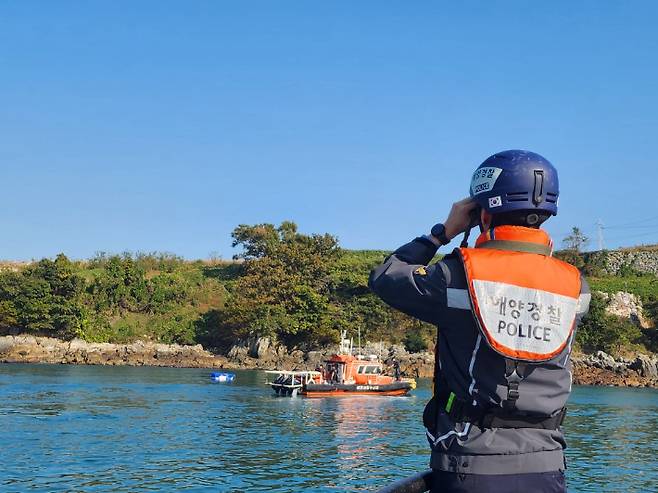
{"x":222,"y":377}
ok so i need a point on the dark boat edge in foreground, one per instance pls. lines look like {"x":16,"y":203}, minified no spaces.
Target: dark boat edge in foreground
{"x":418,"y":483}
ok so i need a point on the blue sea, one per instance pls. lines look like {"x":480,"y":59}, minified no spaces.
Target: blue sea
{"x":125,"y":429}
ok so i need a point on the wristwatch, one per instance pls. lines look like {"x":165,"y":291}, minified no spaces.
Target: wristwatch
{"x":439,"y":232}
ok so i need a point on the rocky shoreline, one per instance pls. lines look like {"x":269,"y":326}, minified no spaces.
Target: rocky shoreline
{"x":31,"y":349}
{"x":592,"y":369}
{"x":603,"y":369}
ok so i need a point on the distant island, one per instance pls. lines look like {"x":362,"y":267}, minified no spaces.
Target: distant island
{"x":295,"y":291}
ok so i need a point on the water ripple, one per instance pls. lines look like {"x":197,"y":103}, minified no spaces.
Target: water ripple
{"x":102,"y":429}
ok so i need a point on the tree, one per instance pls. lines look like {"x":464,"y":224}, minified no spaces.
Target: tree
{"x":45,"y":298}
{"x":284,"y":289}
{"x":358,"y":308}
{"x":120,"y":286}
{"x":575,"y":241}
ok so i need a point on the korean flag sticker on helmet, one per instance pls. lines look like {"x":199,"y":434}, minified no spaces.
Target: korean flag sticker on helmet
{"x":495,"y":201}
{"x":484,"y":179}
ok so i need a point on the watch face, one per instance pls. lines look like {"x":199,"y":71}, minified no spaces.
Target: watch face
{"x":439,"y":232}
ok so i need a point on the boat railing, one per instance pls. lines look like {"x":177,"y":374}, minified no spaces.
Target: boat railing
{"x":302,"y":376}
{"x":418,"y":483}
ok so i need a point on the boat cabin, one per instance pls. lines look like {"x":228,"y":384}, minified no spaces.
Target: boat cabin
{"x":348,"y":369}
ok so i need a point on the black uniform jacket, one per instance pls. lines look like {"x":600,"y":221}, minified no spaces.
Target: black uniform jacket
{"x":437,"y":294}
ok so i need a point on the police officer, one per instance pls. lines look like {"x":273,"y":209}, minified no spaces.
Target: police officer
{"x":506,"y":312}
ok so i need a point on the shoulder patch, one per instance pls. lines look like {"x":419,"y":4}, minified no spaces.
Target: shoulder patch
{"x":421,"y":271}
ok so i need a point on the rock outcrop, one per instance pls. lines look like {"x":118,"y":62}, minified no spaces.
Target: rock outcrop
{"x":613,"y":261}
{"x":592,"y":369}
{"x":264,"y":354}
{"x":625,"y":305}
{"x":602,"y":369}
{"x":30,"y":349}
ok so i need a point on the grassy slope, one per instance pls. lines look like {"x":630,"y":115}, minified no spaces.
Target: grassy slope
{"x":643,"y":286}
{"x":206,"y":291}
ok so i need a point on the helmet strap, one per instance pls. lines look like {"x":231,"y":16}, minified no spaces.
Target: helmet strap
{"x":476,"y":220}
{"x":464,"y":242}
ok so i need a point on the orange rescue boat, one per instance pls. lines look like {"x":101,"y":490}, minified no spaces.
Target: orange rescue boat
{"x":342,"y":375}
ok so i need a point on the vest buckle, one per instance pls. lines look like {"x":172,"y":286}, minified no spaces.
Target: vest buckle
{"x":514,"y":374}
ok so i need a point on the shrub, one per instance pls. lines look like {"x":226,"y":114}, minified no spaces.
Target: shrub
{"x":601,"y":331}
{"x":572,"y":257}
{"x":414,"y":342}
{"x":595,"y":263}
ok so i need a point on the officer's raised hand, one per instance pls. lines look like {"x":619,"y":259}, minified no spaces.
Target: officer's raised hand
{"x":459,"y":218}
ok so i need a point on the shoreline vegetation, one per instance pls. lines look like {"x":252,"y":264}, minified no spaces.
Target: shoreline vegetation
{"x":293,"y":290}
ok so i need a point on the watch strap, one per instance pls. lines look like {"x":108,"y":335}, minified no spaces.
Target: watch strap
{"x":435,"y":241}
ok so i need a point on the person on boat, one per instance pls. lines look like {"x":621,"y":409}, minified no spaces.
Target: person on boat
{"x":396,"y":369}
{"x":333,"y":375}
{"x":339,"y":374}
{"x":507,"y":312}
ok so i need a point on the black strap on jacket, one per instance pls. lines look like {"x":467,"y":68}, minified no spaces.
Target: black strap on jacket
{"x":461,"y":411}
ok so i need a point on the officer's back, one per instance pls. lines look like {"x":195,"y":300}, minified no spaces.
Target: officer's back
{"x":506,"y":312}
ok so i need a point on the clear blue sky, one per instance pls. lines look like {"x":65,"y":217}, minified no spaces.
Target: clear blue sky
{"x":158,"y":125}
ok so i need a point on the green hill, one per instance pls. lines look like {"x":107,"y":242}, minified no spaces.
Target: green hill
{"x":298,"y":288}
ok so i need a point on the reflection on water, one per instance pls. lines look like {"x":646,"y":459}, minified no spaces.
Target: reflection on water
{"x":75,"y":428}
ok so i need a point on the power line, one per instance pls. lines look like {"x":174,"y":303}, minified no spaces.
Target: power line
{"x":601,"y":241}
{"x":583,"y":231}
{"x":600,"y":226}
{"x":636,"y":221}
{"x":635,"y":235}
{"x":642,"y":226}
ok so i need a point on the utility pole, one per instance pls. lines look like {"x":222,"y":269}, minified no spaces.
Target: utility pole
{"x":599,"y":230}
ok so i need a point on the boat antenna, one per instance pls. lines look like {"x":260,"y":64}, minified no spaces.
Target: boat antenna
{"x":359,"y":339}
{"x":345,"y":343}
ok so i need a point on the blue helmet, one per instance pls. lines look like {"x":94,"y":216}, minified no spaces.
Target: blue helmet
{"x":516,"y":181}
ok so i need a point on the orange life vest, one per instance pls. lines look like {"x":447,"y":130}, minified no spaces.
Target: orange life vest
{"x":524,"y":301}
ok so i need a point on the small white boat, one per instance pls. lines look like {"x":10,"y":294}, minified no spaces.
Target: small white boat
{"x":291,"y":382}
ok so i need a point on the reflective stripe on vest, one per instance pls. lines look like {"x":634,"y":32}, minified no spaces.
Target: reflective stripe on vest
{"x":525,"y":303}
